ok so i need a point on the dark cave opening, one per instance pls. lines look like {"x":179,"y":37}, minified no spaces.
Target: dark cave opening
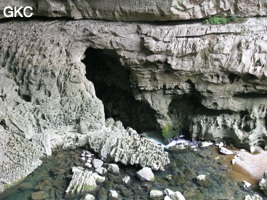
{"x":180,"y":111}
{"x":112,"y":85}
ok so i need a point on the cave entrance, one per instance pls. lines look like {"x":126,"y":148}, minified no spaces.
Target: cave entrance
{"x":181,"y":112}
{"x":113,"y":87}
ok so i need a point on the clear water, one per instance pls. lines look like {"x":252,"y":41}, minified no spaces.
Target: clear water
{"x":55,"y":174}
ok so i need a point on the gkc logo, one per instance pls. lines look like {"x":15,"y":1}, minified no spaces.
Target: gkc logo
{"x":18,"y":11}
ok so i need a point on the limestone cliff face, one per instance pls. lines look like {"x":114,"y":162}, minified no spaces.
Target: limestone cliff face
{"x":207,"y":80}
{"x":149,"y":10}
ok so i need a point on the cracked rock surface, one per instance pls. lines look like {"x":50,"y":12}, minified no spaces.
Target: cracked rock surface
{"x":149,"y":10}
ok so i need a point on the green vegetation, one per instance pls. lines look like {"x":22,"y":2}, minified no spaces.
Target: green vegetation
{"x":168,"y":131}
{"x":223,"y":20}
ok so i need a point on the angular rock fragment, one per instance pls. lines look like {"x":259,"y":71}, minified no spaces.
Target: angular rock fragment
{"x":173,"y":195}
{"x":225,"y":151}
{"x":83,"y":181}
{"x":101,"y":170}
{"x":114,"y":195}
{"x":146,"y":174}
{"x":127,"y":147}
{"x":114,"y":168}
{"x":156,"y":193}
{"x":97,"y":163}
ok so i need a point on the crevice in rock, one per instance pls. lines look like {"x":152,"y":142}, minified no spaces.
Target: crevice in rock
{"x":249,"y":77}
{"x":251,"y":95}
{"x":184,"y":109}
{"x":113,"y":87}
{"x":233,"y":77}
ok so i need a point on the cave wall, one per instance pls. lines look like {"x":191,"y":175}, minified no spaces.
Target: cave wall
{"x":222,"y":67}
{"x":149,"y":10}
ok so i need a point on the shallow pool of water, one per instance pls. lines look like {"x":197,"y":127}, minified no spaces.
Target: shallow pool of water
{"x":53,"y":177}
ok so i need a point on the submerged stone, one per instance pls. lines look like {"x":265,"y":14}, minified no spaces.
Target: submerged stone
{"x":88,"y":197}
{"x":39,"y":195}
{"x":203,"y":181}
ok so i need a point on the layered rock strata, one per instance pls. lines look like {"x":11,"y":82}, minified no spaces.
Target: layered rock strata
{"x":149,"y":10}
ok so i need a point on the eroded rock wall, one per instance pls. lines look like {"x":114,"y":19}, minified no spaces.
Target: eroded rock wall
{"x":43,"y":83}
{"x":18,"y":158}
{"x":208,"y":80}
{"x":149,"y":10}
{"x":223,"y":68}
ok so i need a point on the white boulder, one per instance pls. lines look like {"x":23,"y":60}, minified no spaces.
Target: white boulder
{"x":88,"y":197}
{"x":101,"y":170}
{"x":156,"y":193}
{"x":173,"y":195}
{"x":205,"y":144}
{"x":114,"y":195}
{"x":201,"y":177}
{"x":225,"y":151}
{"x":97,"y":163}
{"x":126,"y":179}
{"x":114,"y":168}
{"x":146,"y":174}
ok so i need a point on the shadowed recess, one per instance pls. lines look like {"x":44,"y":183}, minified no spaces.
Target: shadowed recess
{"x":112,"y":85}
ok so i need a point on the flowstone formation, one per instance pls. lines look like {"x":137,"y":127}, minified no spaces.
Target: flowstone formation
{"x":127,"y":147}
